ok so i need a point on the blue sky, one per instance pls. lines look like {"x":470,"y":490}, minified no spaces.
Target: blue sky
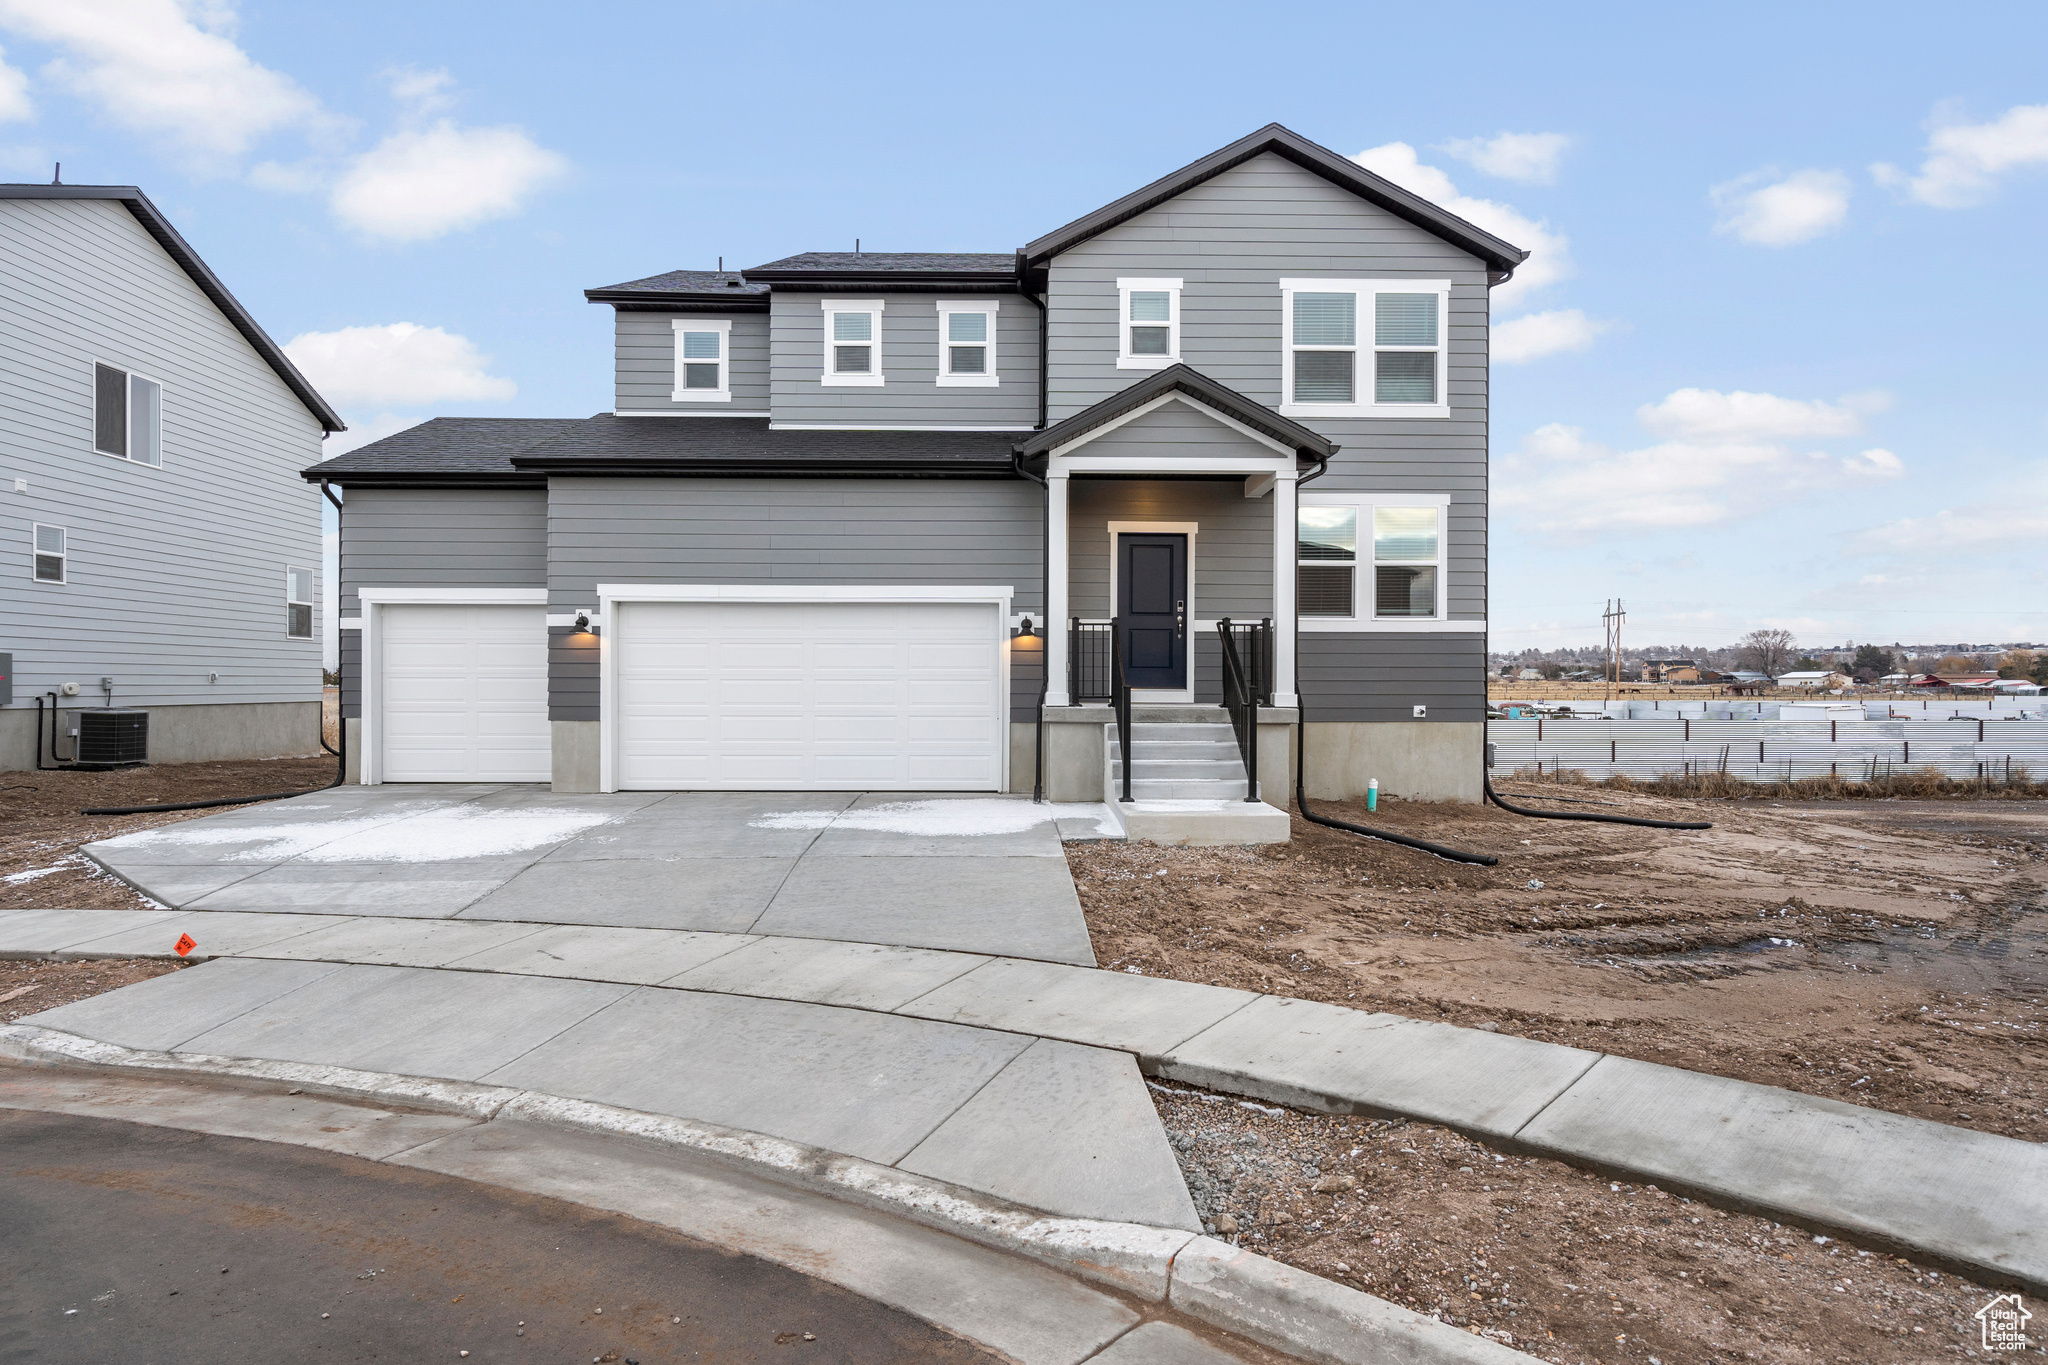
{"x":1778,"y":359}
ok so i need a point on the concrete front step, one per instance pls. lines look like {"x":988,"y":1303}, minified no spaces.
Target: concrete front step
{"x":1229,"y":769}
{"x":1188,"y":782}
{"x":1195,"y":821}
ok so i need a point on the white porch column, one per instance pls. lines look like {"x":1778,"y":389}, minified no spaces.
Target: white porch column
{"x":1056,"y":589}
{"x":1285,"y":532}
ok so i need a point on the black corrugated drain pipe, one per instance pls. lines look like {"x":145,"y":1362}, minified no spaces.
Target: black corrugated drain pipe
{"x":1493,"y":796}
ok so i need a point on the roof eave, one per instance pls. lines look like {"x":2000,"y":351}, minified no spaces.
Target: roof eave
{"x":1181,"y":378}
{"x":694,"y":301}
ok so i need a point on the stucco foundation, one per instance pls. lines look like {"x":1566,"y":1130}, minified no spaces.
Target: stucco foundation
{"x":1418,"y":760}
{"x":184,"y":734}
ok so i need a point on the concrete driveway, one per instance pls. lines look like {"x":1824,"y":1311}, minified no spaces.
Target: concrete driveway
{"x":971,"y":873}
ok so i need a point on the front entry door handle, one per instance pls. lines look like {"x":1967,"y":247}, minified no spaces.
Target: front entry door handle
{"x":1180,"y":620}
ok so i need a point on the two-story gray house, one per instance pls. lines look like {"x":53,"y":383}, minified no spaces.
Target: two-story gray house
{"x":863,"y":521}
{"x":161,"y":554}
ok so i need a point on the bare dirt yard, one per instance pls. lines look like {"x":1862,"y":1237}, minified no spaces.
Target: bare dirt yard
{"x":1884,"y":953}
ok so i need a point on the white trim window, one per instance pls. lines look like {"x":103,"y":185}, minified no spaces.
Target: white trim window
{"x":50,"y":560}
{"x":1373,"y":561}
{"x":853,"y":343}
{"x":1364,"y":348}
{"x":1148,"y":323}
{"x":298,"y":603}
{"x":703,"y":360}
{"x":967,"y":343}
{"x":127,"y":415}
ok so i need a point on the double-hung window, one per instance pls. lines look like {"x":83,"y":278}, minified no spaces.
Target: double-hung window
{"x":1148,"y":323}
{"x":298,"y":603}
{"x":127,"y":415}
{"x":967,"y":343}
{"x":51,"y":555}
{"x":703,"y":360}
{"x":1371,"y":561}
{"x":853,"y":342}
{"x":1364,"y":348}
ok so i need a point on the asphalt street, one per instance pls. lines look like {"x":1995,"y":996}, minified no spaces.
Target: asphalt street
{"x":150,"y":1246}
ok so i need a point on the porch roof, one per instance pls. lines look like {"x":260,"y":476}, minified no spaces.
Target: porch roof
{"x":1182,"y":379}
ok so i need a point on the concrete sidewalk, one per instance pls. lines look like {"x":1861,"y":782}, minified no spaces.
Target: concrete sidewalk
{"x":1971,"y":1199}
{"x":974,"y":874}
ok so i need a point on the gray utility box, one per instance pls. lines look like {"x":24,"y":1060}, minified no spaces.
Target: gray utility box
{"x":112,"y":739}
{"x":6,"y":680}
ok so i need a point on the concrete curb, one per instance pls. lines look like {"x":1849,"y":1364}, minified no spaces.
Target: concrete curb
{"x":1238,"y":1291}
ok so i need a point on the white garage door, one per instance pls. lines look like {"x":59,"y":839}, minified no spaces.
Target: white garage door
{"x":787,"y":696}
{"x":464,"y":694}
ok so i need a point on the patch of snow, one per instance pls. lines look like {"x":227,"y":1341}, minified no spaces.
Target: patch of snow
{"x":17,"y":878}
{"x":961,"y":818}
{"x":431,"y":832}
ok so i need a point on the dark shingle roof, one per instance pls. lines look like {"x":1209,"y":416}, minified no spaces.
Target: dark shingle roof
{"x":892,"y":262}
{"x":745,"y":445}
{"x":685,"y":282}
{"x":157,"y":226}
{"x":469,"y":448}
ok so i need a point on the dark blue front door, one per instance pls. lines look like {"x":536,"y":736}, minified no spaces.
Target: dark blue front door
{"x":1152,"y":607}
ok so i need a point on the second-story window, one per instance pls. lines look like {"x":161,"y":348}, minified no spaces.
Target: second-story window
{"x":1364,"y":348}
{"x":1148,"y":323}
{"x":853,"y":342}
{"x":967,"y":343}
{"x":703,"y":360}
{"x":127,"y":415}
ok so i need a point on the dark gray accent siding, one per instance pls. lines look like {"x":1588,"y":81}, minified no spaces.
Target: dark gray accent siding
{"x":953,"y":532}
{"x":1231,"y":240}
{"x":911,"y":396}
{"x":438,"y":538}
{"x":1384,"y":677}
{"x":1233,"y":550}
{"x":646,"y":364}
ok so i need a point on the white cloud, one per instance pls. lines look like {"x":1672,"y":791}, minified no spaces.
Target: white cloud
{"x":168,"y":71}
{"x":1711,"y":416}
{"x":1724,"y":460}
{"x":15,"y":104}
{"x":1536,"y":335}
{"x":1958,"y":529}
{"x":401,"y":365}
{"x":1550,"y":252}
{"x":1766,"y":209}
{"x":1530,"y":158}
{"x":1964,"y":160}
{"x":420,"y":91}
{"x":423,"y":183}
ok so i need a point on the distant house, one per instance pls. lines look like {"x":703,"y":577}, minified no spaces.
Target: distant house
{"x":1898,"y":679}
{"x":1816,"y":679}
{"x":1670,"y":670}
{"x":2022,"y":687}
{"x":1968,"y":682}
{"x":1749,"y":675}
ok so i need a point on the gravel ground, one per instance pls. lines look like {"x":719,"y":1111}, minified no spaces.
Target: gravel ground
{"x":1552,"y":1260}
{"x":32,"y":985}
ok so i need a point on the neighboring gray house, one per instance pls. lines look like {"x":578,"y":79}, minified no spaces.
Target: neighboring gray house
{"x":853,"y":512}
{"x":156,"y":534}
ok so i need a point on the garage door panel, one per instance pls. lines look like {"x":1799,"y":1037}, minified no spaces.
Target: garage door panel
{"x":463,"y":694}
{"x":828,"y":696}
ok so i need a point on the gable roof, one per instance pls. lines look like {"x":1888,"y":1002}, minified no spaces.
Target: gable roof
{"x":685,"y":290}
{"x":446,"y":449}
{"x":1182,"y":379}
{"x":157,"y":226}
{"x":1501,"y":257}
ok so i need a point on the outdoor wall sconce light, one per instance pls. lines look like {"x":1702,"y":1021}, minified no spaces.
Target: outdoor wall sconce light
{"x":583,"y":621}
{"x":1024,"y":631}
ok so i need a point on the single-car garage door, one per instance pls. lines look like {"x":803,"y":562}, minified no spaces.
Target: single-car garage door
{"x":788,"y":696}
{"x":463,"y":694}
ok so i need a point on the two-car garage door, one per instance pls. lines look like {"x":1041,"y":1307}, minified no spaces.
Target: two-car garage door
{"x":785,"y":696}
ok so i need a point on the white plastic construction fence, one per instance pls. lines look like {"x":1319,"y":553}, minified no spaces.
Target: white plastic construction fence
{"x":1991,"y":739}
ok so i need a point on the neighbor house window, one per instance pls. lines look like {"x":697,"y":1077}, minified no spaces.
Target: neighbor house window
{"x":50,"y":554}
{"x":967,"y":343}
{"x":1364,"y":348}
{"x":127,"y":416}
{"x":298,"y":603}
{"x":1369,"y":561}
{"x":853,"y":341}
{"x":1148,"y":326}
{"x":703,"y":360}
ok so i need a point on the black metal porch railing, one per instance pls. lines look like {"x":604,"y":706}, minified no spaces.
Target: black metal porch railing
{"x":1255,"y":654}
{"x":1241,"y":693}
{"x":1120,"y":698}
{"x":1088,"y":662}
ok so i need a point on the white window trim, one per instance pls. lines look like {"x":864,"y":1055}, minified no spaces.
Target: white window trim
{"x":721,"y":394}
{"x":1362,"y":589}
{"x":851,"y":381}
{"x":609,"y":595}
{"x":312,"y":611}
{"x":128,"y":415}
{"x":1125,"y":287}
{"x":370,"y":768}
{"x":64,"y":566}
{"x":948,"y":307}
{"x":1363,"y":387}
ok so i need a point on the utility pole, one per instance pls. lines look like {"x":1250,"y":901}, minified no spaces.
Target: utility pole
{"x":1610,"y":672}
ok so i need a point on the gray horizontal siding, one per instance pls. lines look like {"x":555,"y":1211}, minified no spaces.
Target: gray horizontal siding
{"x":1232,"y":240}
{"x":645,"y":357}
{"x":1383,"y":677}
{"x":787,"y":531}
{"x":176,"y":574}
{"x":1233,"y":551}
{"x":438,"y":538}
{"x":911,"y":397}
